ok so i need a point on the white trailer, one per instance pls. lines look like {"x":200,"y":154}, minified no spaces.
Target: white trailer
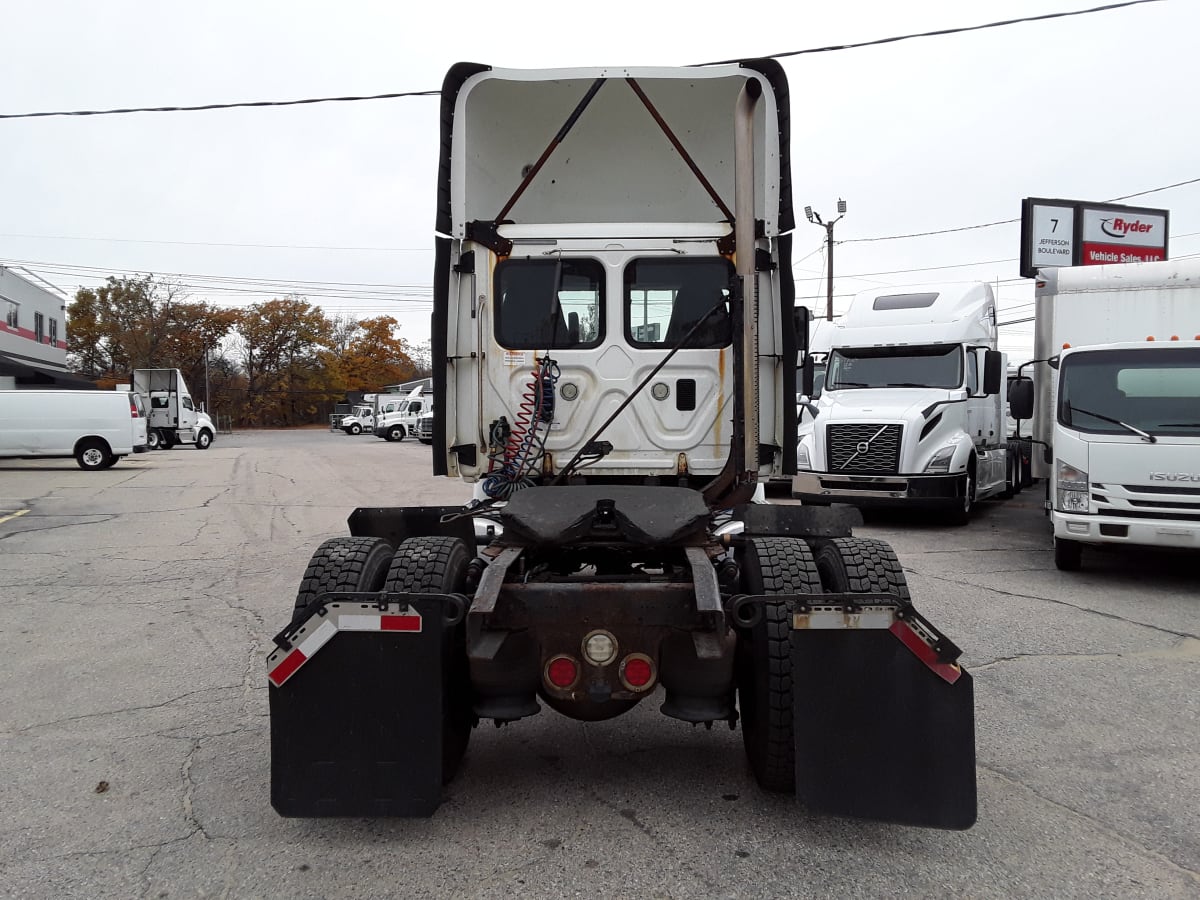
{"x":912,"y":411}
{"x":1117,"y":404}
{"x":174,"y":417}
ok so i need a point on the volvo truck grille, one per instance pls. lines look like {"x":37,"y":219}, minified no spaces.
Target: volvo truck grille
{"x":864,"y":449}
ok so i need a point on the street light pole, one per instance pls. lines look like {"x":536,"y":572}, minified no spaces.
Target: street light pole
{"x":815,"y":218}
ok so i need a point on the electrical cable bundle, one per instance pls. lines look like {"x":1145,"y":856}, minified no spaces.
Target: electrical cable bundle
{"x":525,"y":448}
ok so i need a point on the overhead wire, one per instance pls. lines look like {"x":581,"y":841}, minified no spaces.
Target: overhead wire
{"x":308,"y":101}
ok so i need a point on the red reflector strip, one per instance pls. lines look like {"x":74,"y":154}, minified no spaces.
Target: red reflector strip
{"x":948,"y":672}
{"x":400,"y":623}
{"x":284,"y":670}
{"x":409,"y":622}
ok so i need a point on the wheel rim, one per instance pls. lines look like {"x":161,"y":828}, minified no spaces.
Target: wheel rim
{"x":92,"y":457}
{"x":968,"y":493}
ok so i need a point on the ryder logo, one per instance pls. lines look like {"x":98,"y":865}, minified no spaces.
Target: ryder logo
{"x":1121,"y":228}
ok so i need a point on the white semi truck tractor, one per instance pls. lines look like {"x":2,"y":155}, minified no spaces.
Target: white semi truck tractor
{"x":174,"y":416}
{"x":614,"y":363}
{"x":913,"y":410}
{"x":1116,"y":411}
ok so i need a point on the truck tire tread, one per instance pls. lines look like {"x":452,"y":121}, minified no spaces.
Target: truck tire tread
{"x":860,"y":566}
{"x":343,"y":564}
{"x":773,"y":566}
{"x":438,"y":565}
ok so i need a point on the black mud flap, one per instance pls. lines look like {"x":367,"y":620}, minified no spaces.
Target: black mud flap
{"x":357,"y":705}
{"x":884,"y":721}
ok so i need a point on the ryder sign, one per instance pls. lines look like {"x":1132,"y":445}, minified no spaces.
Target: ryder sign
{"x":1077,"y":233}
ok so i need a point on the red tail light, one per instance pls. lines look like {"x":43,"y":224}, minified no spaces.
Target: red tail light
{"x":133,"y":410}
{"x":637,"y":671}
{"x":562,"y":671}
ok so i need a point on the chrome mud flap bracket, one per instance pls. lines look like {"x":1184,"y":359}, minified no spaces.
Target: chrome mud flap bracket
{"x":884,"y":715}
{"x":357,"y":693}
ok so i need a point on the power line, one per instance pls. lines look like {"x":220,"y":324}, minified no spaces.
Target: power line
{"x":896,"y":237}
{"x":945,"y":31}
{"x":392,"y":96}
{"x":211,"y":106}
{"x":69,"y":237}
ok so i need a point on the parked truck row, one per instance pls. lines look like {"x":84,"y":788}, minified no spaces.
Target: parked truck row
{"x":918,"y":408}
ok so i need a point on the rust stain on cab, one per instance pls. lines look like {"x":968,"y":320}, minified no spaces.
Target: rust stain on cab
{"x":720,"y":398}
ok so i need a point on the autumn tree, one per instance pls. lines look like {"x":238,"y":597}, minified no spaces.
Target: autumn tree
{"x":375,"y":356}
{"x":287,"y":360}
{"x":142,"y":323}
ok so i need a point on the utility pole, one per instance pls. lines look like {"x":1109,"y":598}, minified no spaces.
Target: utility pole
{"x":815,"y":218}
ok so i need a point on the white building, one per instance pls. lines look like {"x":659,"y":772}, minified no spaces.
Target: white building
{"x":33,"y":334}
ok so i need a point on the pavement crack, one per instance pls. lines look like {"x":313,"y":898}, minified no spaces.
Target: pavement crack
{"x":1099,"y":825}
{"x":1084,"y":609}
{"x":189,"y":788}
{"x":1184,"y":649}
{"x":117,"y":712}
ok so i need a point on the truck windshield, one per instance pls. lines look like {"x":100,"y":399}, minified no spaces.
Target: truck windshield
{"x":937,"y":366}
{"x":1154,"y":390}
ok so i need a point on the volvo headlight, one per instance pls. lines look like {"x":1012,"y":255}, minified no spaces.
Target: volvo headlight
{"x":803,"y":461}
{"x":940,"y":464}
{"x":1072,"y":487}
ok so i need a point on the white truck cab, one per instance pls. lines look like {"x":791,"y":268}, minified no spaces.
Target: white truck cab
{"x":913,"y":404}
{"x":1116,"y":419}
{"x":397,"y":417}
{"x":361,"y":418}
{"x":174,"y":416}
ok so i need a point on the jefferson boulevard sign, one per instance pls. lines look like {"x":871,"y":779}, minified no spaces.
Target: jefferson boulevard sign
{"x":1077,"y":233}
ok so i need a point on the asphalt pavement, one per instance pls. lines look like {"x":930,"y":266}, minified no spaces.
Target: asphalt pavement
{"x":139,"y":604}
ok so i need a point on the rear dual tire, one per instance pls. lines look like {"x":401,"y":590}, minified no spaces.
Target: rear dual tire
{"x":764,"y":663}
{"x":420,"y":565}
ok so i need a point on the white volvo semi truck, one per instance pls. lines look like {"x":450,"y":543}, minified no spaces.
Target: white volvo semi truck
{"x":913,"y":406}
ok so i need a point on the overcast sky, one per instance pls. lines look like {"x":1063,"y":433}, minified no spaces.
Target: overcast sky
{"x":919,"y":135}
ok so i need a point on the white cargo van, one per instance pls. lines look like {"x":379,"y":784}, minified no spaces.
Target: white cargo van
{"x":95,"y":427}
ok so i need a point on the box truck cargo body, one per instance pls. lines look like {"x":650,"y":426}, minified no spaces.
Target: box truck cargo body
{"x":97,"y":428}
{"x":1117,"y":404}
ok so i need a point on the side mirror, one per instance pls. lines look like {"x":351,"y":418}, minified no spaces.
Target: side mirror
{"x":801,"y":316}
{"x":993,"y":372}
{"x":1020,"y":398}
{"x":806,"y":376}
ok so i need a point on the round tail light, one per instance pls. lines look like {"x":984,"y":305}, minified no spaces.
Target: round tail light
{"x":637,"y":672}
{"x":562,"y":672}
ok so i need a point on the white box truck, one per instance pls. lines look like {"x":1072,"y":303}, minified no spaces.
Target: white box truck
{"x":913,"y":407}
{"x":1116,"y":410}
{"x":360,"y":418}
{"x":174,"y":417}
{"x":397,"y":417}
{"x":95,"y":427}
